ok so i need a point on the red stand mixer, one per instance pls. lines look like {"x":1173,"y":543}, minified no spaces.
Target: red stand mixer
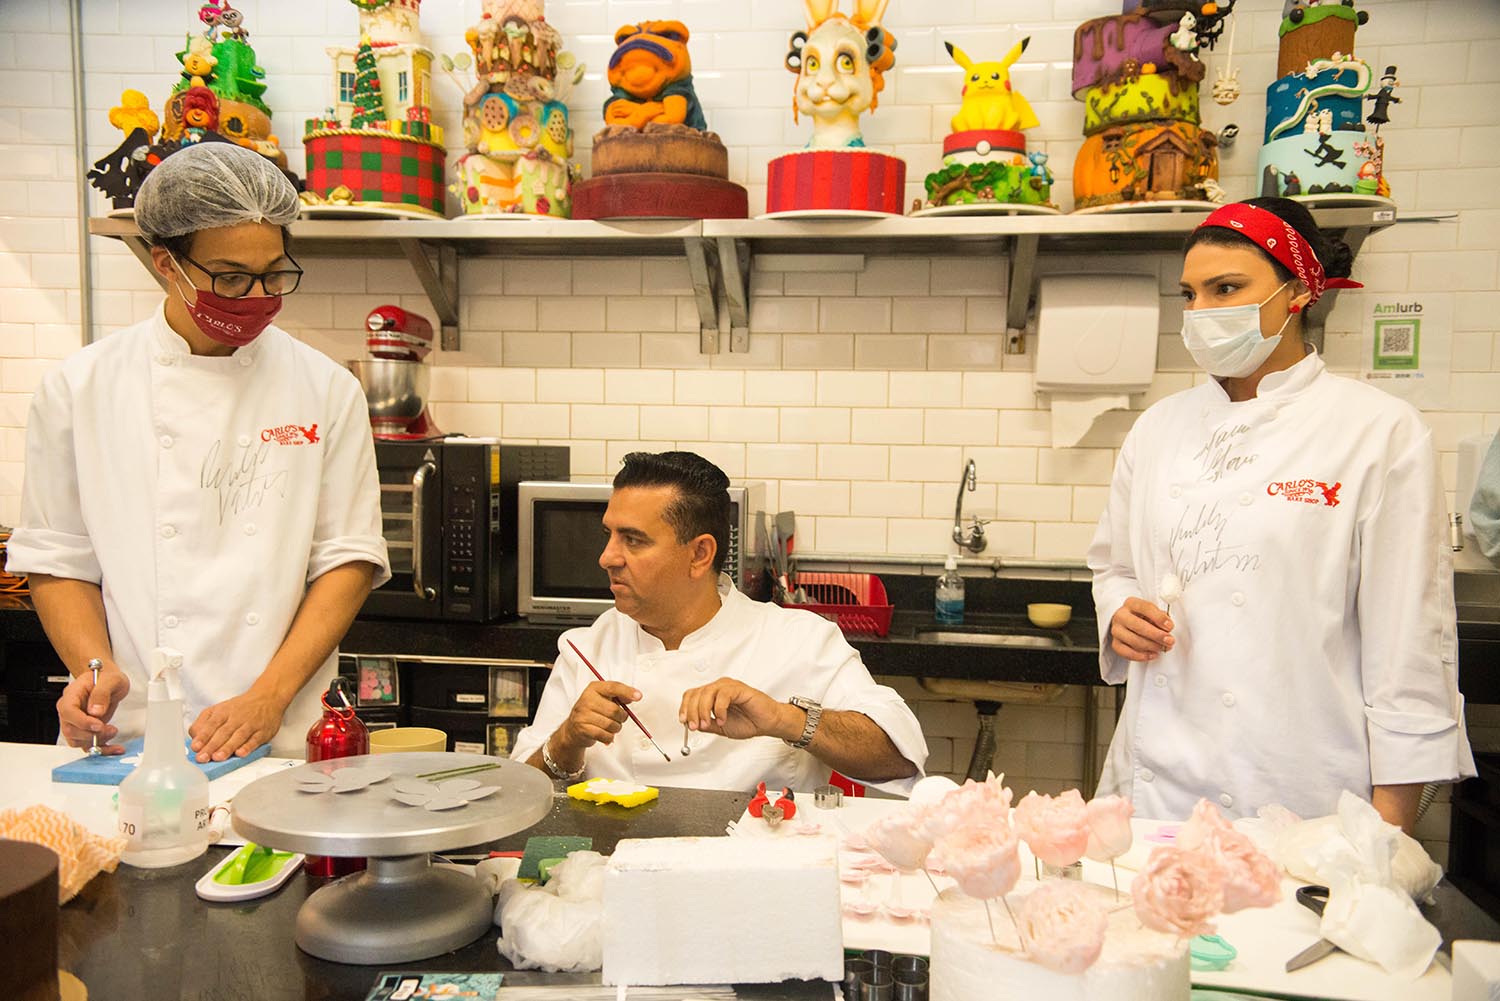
{"x":394,"y":377}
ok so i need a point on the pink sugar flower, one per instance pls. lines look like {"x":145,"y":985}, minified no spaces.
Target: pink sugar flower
{"x":1062,"y":926}
{"x":984,"y":861}
{"x":1056,"y":829}
{"x":1179,"y":892}
{"x":1109,"y":827}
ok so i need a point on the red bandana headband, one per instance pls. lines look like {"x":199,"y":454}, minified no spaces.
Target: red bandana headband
{"x":1276,"y":237}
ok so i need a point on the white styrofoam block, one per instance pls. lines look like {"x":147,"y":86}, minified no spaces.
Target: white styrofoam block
{"x":722,"y":911}
{"x":1476,"y":971}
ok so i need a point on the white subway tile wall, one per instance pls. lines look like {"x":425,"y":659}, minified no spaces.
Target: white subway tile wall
{"x":865,"y":389}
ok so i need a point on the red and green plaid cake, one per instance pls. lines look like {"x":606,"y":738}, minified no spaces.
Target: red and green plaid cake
{"x":378,"y":168}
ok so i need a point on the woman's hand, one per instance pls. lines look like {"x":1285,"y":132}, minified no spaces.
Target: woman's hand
{"x":1140,"y":631}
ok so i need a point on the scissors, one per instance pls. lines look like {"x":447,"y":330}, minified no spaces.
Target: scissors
{"x":1314,"y":898}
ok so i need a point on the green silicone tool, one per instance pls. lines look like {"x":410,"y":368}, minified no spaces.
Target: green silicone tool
{"x":1211,"y":952}
{"x":250,"y":872}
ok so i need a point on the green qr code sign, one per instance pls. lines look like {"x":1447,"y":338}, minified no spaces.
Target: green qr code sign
{"x":1398,"y":345}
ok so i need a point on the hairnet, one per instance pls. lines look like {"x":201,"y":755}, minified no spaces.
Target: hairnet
{"x":209,"y":185}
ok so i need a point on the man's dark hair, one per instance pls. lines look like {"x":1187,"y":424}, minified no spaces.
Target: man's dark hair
{"x":180,"y":246}
{"x":701,"y":506}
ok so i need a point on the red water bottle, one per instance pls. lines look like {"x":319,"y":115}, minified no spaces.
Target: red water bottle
{"x":339,"y":734}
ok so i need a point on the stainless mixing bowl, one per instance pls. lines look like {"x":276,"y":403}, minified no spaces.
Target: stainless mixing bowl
{"x":396,"y":391}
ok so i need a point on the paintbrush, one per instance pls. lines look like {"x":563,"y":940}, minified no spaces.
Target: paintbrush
{"x":634,"y":719}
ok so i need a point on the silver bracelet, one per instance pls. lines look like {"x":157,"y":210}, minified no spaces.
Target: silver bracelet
{"x":557,"y":770}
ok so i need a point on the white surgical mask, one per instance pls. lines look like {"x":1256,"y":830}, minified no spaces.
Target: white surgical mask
{"x":1227,"y":342}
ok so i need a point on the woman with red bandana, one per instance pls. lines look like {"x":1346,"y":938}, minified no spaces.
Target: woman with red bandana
{"x":202,"y":481}
{"x":1271,"y":572}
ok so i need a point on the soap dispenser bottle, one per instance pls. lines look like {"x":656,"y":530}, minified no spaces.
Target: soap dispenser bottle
{"x":164,"y":801}
{"x":950,"y":595}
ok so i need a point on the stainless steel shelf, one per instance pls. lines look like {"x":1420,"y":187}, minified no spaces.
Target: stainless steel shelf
{"x":719,"y":251}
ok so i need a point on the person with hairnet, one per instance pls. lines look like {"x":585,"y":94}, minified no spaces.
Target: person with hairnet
{"x":202,"y":482}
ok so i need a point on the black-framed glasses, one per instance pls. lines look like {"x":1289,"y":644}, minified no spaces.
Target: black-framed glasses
{"x":237,"y":284}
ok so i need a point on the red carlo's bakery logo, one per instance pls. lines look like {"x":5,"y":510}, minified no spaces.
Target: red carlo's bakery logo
{"x":291,"y":434}
{"x":1306,"y":492}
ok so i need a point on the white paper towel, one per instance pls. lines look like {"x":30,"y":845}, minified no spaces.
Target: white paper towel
{"x":1074,"y":413}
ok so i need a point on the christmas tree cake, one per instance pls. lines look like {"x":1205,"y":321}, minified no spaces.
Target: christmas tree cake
{"x":376,"y":151}
{"x":218,"y":98}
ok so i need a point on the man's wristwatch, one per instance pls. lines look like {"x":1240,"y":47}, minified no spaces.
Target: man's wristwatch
{"x":557,"y":770}
{"x":814,"y":712}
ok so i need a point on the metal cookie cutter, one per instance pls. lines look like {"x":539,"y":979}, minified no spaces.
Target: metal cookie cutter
{"x":828,"y":797}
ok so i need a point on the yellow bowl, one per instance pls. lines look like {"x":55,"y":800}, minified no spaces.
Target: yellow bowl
{"x":407,"y":738}
{"x":1048,"y":616}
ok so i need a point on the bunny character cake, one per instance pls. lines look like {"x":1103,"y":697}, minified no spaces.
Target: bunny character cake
{"x":655,"y":157}
{"x":986,"y":167}
{"x":840,"y":62}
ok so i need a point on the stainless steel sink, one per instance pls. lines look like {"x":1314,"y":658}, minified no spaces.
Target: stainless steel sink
{"x":989,"y":638}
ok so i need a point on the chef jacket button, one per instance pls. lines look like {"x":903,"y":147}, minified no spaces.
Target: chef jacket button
{"x":250,"y":528}
{"x":244,"y":359}
{"x":164,"y":359}
{"x":244,"y":441}
{"x":700,"y":667}
{"x":166,"y":441}
{"x":1238,"y":597}
{"x":1228,"y":699}
{"x":1226,"y":800}
{"x":1147,"y":775}
{"x":167,"y":531}
{"x":253,"y":619}
{"x":1161,"y":681}
{"x":1176,"y":492}
{"x":644,"y":743}
{"x":170,"y":621}
{"x":1246,"y":499}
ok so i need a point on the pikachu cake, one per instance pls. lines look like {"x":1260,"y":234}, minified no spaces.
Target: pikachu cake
{"x":655,"y":157}
{"x":986,"y":166}
{"x":840,"y":62}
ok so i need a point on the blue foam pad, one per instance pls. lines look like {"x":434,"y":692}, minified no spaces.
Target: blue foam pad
{"x":111,"y":769}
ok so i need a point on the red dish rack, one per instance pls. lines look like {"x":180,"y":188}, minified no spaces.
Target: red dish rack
{"x":855,"y":601}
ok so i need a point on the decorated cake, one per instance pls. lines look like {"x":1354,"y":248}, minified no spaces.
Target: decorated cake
{"x":1318,"y":138}
{"x":655,"y":157}
{"x":1137,"y":74}
{"x":218,"y":98}
{"x":840,"y":62}
{"x":376,"y":151}
{"x":986,"y":167}
{"x":517,"y":137}
{"x":997,"y":935}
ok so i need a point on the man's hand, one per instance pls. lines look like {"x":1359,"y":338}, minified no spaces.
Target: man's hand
{"x":1140,"y":631}
{"x":236,"y":726}
{"x":595,"y":719}
{"x":84,"y":710}
{"x":733,"y":709}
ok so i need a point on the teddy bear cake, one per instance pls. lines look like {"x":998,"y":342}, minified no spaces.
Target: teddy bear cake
{"x":840,"y":62}
{"x":655,"y":157}
{"x":218,"y":98}
{"x":517,"y":134}
{"x":1318,"y":139}
{"x":986,"y":167}
{"x":376,"y":151}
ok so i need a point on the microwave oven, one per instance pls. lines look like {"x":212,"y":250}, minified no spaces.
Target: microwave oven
{"x":560,"y":537}
{"x":448,"y":513}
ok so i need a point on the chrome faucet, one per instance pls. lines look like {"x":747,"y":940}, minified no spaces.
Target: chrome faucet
{"x":973,"y":538}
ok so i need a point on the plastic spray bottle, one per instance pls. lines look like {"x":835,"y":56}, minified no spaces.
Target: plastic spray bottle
{"x":164,"y":801}
{"x":949,"y":605}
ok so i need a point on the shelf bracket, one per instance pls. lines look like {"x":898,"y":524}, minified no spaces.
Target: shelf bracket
{"x":436,"y":266}
{"x":1314,"y":326}
{"x":1018,"y":292}
{"x":703,"y":266}
{"x":142,"y":251}
{"x":734,"y":275}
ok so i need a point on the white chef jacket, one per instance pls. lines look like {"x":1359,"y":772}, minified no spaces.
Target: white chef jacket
{"x":203,"y":495}
{"x":782,"y":652}
{"x":1484,"y":509}
{"x":1316,"y":633}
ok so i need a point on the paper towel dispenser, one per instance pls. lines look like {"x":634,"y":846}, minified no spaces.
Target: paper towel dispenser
{"x":1097,"y":333}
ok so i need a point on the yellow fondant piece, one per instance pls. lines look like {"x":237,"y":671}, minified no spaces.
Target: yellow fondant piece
{"x":613,"y":791}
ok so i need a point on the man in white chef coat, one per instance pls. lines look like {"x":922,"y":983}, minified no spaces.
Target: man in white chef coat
{"x":1484,"y":508}
{"x":202,"y":481}
{"x":755,"y":692}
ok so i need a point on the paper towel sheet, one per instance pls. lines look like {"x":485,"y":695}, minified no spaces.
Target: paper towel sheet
{"x":1074,"y":413}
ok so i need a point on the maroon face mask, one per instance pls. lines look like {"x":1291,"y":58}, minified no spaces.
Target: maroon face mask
{"x":235,"y":322}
